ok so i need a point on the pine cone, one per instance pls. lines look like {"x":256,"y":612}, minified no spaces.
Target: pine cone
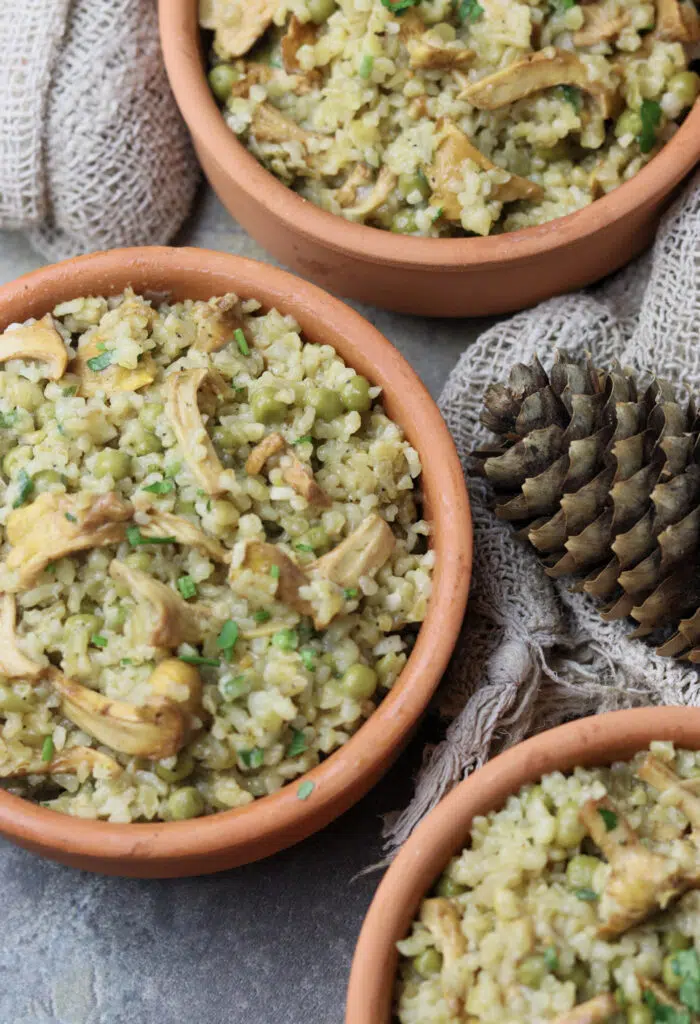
{"x":603,"y":478}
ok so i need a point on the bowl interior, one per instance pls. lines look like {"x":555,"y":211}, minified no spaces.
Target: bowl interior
{"x":279,"y":819}
{"x":589,"y":742}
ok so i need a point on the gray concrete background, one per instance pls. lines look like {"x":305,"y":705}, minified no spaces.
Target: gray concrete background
{"x":267,"y":944}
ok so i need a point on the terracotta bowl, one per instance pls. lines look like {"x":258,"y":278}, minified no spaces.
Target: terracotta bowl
{"x":428,"y":276}
{"x":588,"y":742}
{"x":236,"y":837}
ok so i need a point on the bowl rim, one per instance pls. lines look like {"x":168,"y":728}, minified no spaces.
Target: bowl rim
{"x":594,"y":740}
{"x":278,"y":820}
{"x":182,"y":52}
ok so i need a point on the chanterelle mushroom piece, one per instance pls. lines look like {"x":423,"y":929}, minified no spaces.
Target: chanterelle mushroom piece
{"x":13,"y":662}
{"x":677,"y":22}
{"x":595,"y":1011}
{"x":175,"y":621}
{"x":180,"y":683}
{"x":441,"y":918}
{"x":537,"y":71}
{"x":298,"y":34}
{"x":39,"y":341}
{"x":264,"y":450}
{"x":155,"y":729}
{"x":360,"y":175}
{"x":56,"y":525}
{"x":217,"y":322}
{"x":166,"y":524}
{"x":430,"y":56}
{"x":67,"y":762}
{"x":269,"y":125}
{"x":640,"y":882}
{"x":261,"y":558}
{"x":663,"y":778}
{"x":301,"y":478}
{"x":362,"y":553}
{"x":380,"y":192}
{"x":452,"y":150}
{"x":599,"y":25}
{"x":238,"y":24}
{"x":183,"y":412}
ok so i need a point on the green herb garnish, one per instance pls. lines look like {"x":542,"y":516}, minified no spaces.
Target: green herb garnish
{"x":126,"y":661}
{"x":586,"y":895}
{"x":197,"y":659}
{"x":286,"y":639}
{"x":650,"y":113}
{"x":25,"y":488}
{"x":69,"y":392}
{"x":306,"y":439}
{"x":304,"y":547}
{"x":308,"y":657}
{"x":136,"y":538}
{"x":399,"y":6}
{"x":160,"y":487}
{"x":101,"y":362}
{"x":665,"y":1014}
{"x":8,"y":419}
{"x":51,"y":567}
{"x":366,"y":66}
{"x":559,"y":6}
{"x":97,"y":640}
{"x":297,"y":745}
{"x":47,"y":749}
{"x":70,"y":517}
{"x":469,"y":10}
{"x":686,"y":965}
{"x":262,"y":616}
{"x":241,"y":342}
{"x":609,"y":818}
{"x":572,"y":95}
{"x":350,"y":593}
{"x":187,"y":587}
{"x":253,"y":758}
{"x":305,"y":790}
{"x":227,"y":638}
{"x":551,"y":959}
{"x":275,"y":572}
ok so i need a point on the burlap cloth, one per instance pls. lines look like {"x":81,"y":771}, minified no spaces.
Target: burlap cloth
{"x":93,"y":153}
{"x":532,"y":654}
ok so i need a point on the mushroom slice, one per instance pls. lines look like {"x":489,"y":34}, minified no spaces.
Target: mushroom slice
{"x":640,"y":882}
{"x":165,"y":524}
{"x":599,"y":26}
{"x":380,"y":192}
{"x":595,"y":1011}
{"x":180,"y":683}
{"x":298,"y":34}
{"x":264,"y":450}
{"x":453,"y":149}
{"x":13,"y":663}
{"x":176,"y":621}
{"x":412,"y":26}
{"x":301,"y":478}
{"x":255,"y":74}
{"x":362,"y":553}
{"x":263,"y":558}
{"x":39,"y":341}
{"x":359,"y":176}
{"x":238,"y":24}
{"x":429,"y":56}
{"x":269,"y":125}
{"x":93,"y":362}
{"x":155,"y":729}
{"x":67,"y":762}
{"x":441,"y":918}
{"x":56,"y":525}
{"x":217,"y":321}
{"x":533,"y":73}
{"x":677,"y":22}
{"x":182,"y":410}
{"x":661,"y":777}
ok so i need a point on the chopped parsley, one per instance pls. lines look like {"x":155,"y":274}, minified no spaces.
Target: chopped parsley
{"x":306,"y":439}
{"x":25,"y":488}
{"x":47,"y":749}
{"x":350,"y":593}
{"x":469,"y":10}
{"x":197,"y":659}
{"x":126,"y":661}
{"x":366,"y":66}
{"x":252,"y":758}
{"x":308,"y":657}
{"x":241,"y":342}
{"x":160,"y":487}
{"x":572,"y":95}
{"x":304,"y":547}
{"x":686,"y":965}
{"x":97,"y":640}
{"x":586,"y":895}
{"x":399,"y":6}
{"x":286,"y":639}
{"x":101,"y":362}
{"x":136,"y":538}
{"x":8,"y":419}
{"x":187,"y":587}
{"x":227,"y":638}
{"x":70,"y":517}
{"x":609,"y":818}
{"x":305,"y":790}
{"x":275,"y":572}
{"x":297,"y":745}
{"x":262,"y":616}
{"x":650,"y":113}
{"x":559,"y":6}
{"x":665,"y":1014}
{"x":551,"y":959}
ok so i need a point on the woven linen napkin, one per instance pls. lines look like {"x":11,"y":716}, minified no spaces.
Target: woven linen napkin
{"x":531,"y":653}
{"x":93,"y":152}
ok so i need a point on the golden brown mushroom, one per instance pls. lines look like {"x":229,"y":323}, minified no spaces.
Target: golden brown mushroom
{"x":441,"y":918}
{"x":262,"y":559}
{"x":217,"y":321}
{"x":166,"y":524}
{"x":453,"y":149}
{"x":13,"y":662}
{"x":677,"y":22}
{"x":264,"y":450}
{"x":380,"y":192}
{"x":56,"y":525}
{"x":362,"y":553}
{"x":156,"y":729}
{"x":543,"y":69}
{"x":599,"y":26}
{"x":175,"y":621}
{"x":183,"y":412}
{"x":298,"y":34}
{"x":269,"y":125}
{"x":67,"y":762}
{"x":237,"y":24}
{"x":663,"y":778}
{"x":40,"y":341}
{"x":595,"y":1011}
{"x":301,"y":478}
{"x":430,"y":56}
{"x":360,"y":175}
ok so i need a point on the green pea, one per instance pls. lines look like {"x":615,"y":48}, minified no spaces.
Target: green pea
{"x":145,"y":442}
{"x":355,"y":394}
{"x":225,"y":438}
{"x":112,"y":462}
{"x":570,"y":831}
{"x":327,"y":403}
{"x":140,"y":560}
{"x":639,"y":1014}
{"x":628,"y":123}
{"x":359,"y":682}
{"x":415,"y":182}
{"x":150,"y":415}
{"x":321,"y":10}
{"x":580,"y":871}
{"x":11,"y":701}
{"x":47,"y":479}
{"x":265,"y":407}
{"x":685,"y":86}
{"x":15,"y":460}
{"x":404,"y":222}
{"x":668,"y":973}
{"x":532,"y":971}
{"x":184,"y":803}
{"x":448,"y":888}
{"x":184,"y":766}
{"x":83,"y":623}
{"x":428,"y":962}
{"x":676,"y":941}
{"x":316,"y":538}
{"x":185,"y":508}
{"x":222,"y":79}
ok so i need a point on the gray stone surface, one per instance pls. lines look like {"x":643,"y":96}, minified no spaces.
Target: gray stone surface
{"x":267,"y":944}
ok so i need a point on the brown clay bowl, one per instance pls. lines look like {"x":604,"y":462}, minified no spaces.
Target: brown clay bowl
{"x":237,"y":837}
{"x":598,"y":740}
{"x":428,"y":276}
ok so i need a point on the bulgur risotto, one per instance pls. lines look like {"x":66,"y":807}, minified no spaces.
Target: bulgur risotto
{"x":444,"y":118}
{"x":577,"y":903}
{"x":212,"y":556}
